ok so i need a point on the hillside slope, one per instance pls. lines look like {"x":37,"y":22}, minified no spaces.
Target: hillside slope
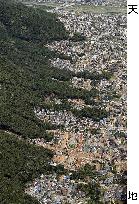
{"x":24,"y":67}
{"x":26,"y":77}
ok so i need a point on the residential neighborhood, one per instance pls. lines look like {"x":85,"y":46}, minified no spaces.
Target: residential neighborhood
{"x":83,"y":141}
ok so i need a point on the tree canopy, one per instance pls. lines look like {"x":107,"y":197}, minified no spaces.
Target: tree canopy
{"x":20,"y":162}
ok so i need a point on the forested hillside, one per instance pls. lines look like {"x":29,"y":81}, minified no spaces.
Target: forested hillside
{"x":20,"y":162}
{"x":24,"y":68}
{"x":31,"y":25}
{"x":24,"y":64}
{"x":26,"y":76}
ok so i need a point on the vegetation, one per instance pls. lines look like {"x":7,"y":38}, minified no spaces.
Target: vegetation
{"x":26,"y":77}
{"x":26,"y":74}
{"x":94,"y":76}
{"x":77,"y":37}
{"x":64,"y":105}
{"x":94,"y":113}
{"x":90,"y":183}
{"x":30,"y":24}
{"x":92,"y":189}
{"x":20,"y":162}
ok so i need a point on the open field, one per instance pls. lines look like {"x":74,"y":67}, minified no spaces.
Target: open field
{"x":97,"y":9}
{"x":80,"y":8}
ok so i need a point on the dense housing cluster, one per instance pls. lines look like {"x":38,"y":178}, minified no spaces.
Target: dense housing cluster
{"x":84,"y":140}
